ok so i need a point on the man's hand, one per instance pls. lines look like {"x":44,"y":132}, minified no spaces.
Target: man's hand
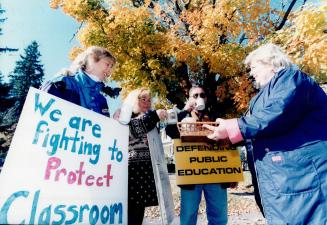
{"x":190,"y":105}
{"x":219,"y":132}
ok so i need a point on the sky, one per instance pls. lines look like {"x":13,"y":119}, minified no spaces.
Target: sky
{"x":29,"y":20}
{"x":35,"y":20}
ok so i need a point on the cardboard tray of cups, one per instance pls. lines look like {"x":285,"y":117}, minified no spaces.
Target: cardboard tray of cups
{"x":194,"y":131}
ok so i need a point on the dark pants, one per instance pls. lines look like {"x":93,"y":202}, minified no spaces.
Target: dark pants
{"x":254,"y":181}
{"x":135,"y":214}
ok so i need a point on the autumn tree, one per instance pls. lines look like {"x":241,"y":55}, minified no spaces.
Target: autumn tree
{"x":27,"y":72}
{"x":170,"y":45}
{"x":305,"y":40}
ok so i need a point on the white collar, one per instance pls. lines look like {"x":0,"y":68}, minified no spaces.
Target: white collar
{"x":95,"y":78}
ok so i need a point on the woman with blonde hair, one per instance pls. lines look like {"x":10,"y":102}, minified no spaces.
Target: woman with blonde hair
{"x":141,"y":184}
{"x":83,"y":82}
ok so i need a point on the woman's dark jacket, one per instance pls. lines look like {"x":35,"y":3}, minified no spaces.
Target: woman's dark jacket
{"x":141,"y":183}
{"x":287,"y":125}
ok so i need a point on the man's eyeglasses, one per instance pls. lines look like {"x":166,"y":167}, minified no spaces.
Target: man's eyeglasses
{"x":202,"y":95}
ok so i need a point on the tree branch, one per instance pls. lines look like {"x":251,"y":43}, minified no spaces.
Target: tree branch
{"x":74,"y":35}
{"x":288,"y":11}
{"x":6,"y":49}
{"x":242,"y":38}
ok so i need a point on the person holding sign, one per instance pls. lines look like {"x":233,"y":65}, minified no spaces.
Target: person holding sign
{"x":141,"y":184}
{"x":82,"y":83}
{"x":215,"y":194}
{"x":286,"y":125}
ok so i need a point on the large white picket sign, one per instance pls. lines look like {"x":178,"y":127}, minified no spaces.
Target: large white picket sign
{"x":65,"y":165}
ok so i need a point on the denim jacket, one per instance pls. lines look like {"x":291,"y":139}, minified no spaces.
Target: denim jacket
{"x":287,"y":125}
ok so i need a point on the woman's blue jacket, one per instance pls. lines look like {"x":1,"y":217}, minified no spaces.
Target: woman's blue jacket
{"x":81,"y":90}
{"x":287,"y":125}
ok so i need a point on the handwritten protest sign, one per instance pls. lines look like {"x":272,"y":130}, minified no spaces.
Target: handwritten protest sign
{"x":65,"y":165}
{"x":201,"y":163}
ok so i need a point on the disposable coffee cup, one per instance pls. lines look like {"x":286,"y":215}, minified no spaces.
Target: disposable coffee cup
{"x":125,"y":113}
{"x":200,"y":104}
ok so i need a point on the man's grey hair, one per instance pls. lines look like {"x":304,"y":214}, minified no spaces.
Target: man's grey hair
{"x":194,"y":87}
{"x":269,"y":54}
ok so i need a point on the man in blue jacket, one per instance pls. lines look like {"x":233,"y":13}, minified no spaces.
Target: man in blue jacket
{"x":286,"y":125}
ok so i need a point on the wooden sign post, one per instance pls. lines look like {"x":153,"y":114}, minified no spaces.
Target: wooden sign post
{"x":161,"y":177}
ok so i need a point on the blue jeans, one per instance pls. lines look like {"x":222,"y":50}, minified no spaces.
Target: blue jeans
{"x":216,"y":204}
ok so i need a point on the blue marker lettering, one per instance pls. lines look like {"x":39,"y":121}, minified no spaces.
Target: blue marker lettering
{"x":114,"y":209}
{"x":7,"y":204}
{"x":53,"y":113}
{"x":59,"y":211}
{"x":73,"y":210}
{"x":39,"y":106}
{"x":45,"y":216}
{"x":94,"y":215}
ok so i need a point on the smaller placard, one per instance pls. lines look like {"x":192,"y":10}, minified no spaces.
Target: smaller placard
{"x":203,"y":163}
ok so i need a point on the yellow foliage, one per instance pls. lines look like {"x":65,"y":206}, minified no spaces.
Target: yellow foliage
{"x":306,"y":40}
{"x":150,"y":45}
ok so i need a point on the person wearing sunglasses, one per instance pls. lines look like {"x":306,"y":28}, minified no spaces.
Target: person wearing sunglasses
{"x":215,"y":194}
